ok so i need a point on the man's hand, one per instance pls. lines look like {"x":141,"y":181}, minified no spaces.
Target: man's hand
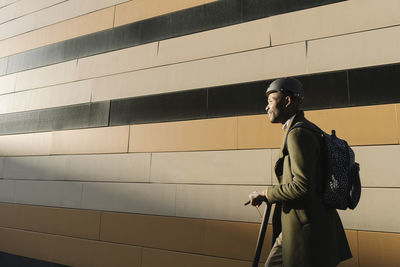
{"x":256,"y":198}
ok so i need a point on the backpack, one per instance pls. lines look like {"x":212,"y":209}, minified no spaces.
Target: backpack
{"x":342,"y":185}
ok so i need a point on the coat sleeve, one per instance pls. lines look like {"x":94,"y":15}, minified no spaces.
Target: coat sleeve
{"x":304,"y":149}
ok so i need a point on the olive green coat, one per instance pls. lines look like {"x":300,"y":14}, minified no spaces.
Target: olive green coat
{"x":312,"y":234}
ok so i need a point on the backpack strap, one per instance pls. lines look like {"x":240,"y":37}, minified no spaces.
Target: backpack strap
{"x":311,"y":127}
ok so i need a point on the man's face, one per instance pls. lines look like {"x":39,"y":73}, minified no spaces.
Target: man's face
{"x":276,"y":107}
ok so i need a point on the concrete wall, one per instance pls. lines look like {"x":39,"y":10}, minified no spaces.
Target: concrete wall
{"x":131,"y":132}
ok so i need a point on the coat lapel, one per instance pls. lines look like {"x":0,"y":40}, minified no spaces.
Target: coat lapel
{"x":279,"y":162}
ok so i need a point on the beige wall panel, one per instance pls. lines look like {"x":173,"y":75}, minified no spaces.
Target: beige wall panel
{"x":132,"y":167}
{"x":237,"y":68}
{"x":334,"y":19}
{"x":3,"y":65}
{"x":354,"y":124}
{"x":170,"y":233}
{"x":54,"y":96}
{"x":143,"y":198}
{"x":48,"y":16}
{"x":275,"y":156}
{"x":25,"y":144}
{"x":211,"y":134}
{"x":49,"y":193}
{"x":231,"y":39}
{"x":352,"y":238}
{"x":2,"y":167}
{"x":221,"y":202}
{"x":377,"y":211}
{"x":68,"y":251}
{"x":354,"y":50}
{"x":257,"y":132}
{"x":24,"y":7}
{"x":91,"y":141}
{"x":143,"y":9}
{"x":379,"y":165}
{"x":47,"y":76}
{"x":379,"y":249}
{"x":235,"y":240}
{"x":60,"y":221}
{"x":86,"y":24}
{"x":38,"y":168}
{"x":7,"y":190}
{"x":134,"y":58}
{"x":216,"y":167}
{"x":7,"y":83}
{"x":6,"y":2}
{"x":153,"y":257}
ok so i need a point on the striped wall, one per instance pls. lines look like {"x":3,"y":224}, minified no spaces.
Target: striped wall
{"x":131,"y":132}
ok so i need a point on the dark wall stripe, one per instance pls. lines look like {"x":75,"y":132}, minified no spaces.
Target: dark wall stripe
{"x":53,"y":119}
{"x":210,"y":16}
{"x":9,"y":260}
{"x":185,"y":105}
{"x":378,"y":85}
{"x":356,"y":87}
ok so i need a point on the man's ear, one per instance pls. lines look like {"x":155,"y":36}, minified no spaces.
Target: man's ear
{"x":288,"y":101}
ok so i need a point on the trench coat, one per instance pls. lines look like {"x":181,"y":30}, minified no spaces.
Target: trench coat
{"x":312,"y":233}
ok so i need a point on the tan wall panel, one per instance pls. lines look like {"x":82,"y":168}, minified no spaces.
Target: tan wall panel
{"x":211,"y":134}
{"x":209,"y":237}
{"x":235,"y":240}
{"x":354,"y":124}
{"x":334,"y":19}
{"x":86,"y":24}
{"x":352,"y":238}
{"x":354,"y":50}
{"x":153,"y":257}
{"x":25,"y":144}
{"x":60,"y":221}
{"x":137,"y":10}
{"x":257,"y":132}
{"x":91,"y":141}
{"x":170,"y":233}
{"x":398,"y":122}
{"x":68,"y":251}
{"x":379,"y":249}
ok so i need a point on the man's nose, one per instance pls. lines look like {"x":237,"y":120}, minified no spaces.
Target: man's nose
{"x":266,"y":108}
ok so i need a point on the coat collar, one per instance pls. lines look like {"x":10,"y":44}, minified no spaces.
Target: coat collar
{"x":295,"y":118}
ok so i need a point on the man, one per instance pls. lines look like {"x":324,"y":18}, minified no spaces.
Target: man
{"x":305,"y":231}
